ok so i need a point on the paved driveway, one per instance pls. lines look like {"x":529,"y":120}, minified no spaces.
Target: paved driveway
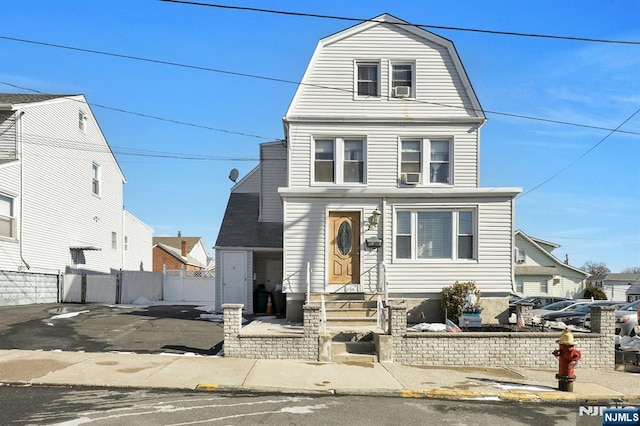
{"x":103,"y":328}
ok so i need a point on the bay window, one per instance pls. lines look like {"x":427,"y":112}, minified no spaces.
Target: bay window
{"x":435,"y":234}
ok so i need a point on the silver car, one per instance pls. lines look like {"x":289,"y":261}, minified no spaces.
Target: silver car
{"x":627,"y":319}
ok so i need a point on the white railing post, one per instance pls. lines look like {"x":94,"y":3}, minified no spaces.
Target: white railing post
{"x":308,"y":282}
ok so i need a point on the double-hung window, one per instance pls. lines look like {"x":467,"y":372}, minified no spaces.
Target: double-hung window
{"x":402,"y":80}
{"x":7,"y":217}
{"x":435,"y":234}
{"x":368,"y":79}
{"x":95,"y":181}
{"x":431,"y":158}
{"x":339,"y":160}
{"x":114,"y":240}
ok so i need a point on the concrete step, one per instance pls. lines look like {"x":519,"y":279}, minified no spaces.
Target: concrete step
{"x":347,"y":358}
{"x":345,"y":321}
{"x":351,"y":312}
{"x":317,"y":297}
{"x":361,"y":347}
{"x":349,"y":304}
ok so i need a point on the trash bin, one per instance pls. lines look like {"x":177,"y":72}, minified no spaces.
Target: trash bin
{"x":260,"y":301}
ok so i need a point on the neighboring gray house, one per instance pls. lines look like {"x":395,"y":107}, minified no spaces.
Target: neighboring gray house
{"x":375,"y":188}
{"x":633,"y":292}
{"x":539,"y":272}
{"x":61,"y":191}
{"x":615,"y":286}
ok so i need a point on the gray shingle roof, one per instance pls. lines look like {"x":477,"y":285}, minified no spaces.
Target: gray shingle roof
{"x":26,"y":98}
{"x":240,"y":226}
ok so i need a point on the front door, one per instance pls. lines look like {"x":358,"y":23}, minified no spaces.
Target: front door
{"x":344,"y":251}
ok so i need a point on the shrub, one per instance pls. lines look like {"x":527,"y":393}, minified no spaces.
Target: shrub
{"x":453,"y":298}
{"x":596,"y":292}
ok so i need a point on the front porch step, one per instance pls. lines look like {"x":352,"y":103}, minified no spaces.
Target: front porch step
{"x":346,"y":322}
{"x":346,"y":358}
{"x":351,"y":313}
{"x":328,"y":297}
{"x":361,"y":351}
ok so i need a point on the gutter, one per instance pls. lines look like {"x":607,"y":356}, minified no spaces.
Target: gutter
{"x":19,"y":135}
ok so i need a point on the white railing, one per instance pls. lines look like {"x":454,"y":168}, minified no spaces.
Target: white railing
{"x":308,"y":282}
{"x":384,"y":288}
{"x":382,"y":315}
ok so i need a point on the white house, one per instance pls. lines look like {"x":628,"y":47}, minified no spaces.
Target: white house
{"x":375,"y":187}
{"x":617,"y":286}
{"x":189,"y":252}
{"x":539,"y":272}
{"x":61,"y":191}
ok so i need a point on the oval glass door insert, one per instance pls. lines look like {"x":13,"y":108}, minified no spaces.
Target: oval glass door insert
{"x":344,"y":238}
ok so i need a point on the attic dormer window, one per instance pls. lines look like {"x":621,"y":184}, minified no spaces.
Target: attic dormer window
{"x":368,"y":79}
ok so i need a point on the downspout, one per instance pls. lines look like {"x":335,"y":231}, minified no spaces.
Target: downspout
{"x":19,"y":138}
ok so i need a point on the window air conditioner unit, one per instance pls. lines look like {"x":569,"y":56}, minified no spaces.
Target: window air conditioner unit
{"x":410,"y":178}
{"x":401,"y":91}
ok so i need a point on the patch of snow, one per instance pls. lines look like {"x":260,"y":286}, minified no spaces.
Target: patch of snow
{"x":142,"y":301}
{"x":69,"y":315}
{"x":308,"y":409}
{"x":424,"y":326}
{"x":212,"y":317}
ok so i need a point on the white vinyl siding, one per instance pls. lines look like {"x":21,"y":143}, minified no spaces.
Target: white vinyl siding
{"x":138,"y":254}
{"x":382,"y":165}
{"x":58,"y":209}
{"x":273,"y":175}
{"x":489,"y":269}
{"x":436,"y":76}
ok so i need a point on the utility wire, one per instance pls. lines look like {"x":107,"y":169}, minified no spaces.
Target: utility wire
{"x":140,"y":114}
{"x":579,"y":158}
{"x":439,"y":27}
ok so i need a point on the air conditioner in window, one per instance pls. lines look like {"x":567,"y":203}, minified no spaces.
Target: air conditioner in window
{"x":410,"y":178}
{"x":401,"y":91}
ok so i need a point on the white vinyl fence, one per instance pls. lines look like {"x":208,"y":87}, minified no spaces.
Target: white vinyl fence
{"x":189,"y":286}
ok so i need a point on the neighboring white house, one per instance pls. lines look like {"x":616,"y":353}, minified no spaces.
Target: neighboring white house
{"x":617,"y":286}
{"x":61,"y":191}
{"x":379,"y":171}
{"x":539,"y":272}
{"x":633,"y":292}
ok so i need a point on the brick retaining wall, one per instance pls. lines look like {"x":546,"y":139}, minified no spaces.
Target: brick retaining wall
{"x":518,"y":349}
{"x":303,"y":346}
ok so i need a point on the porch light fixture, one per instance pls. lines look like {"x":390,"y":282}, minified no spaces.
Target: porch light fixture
{"x":374,"y":219}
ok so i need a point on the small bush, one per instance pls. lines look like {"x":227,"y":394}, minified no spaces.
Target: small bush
{"x":596,"y":292}
{"x":453,"y":299}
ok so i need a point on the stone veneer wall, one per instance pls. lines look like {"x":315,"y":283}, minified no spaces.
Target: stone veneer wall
{"x":303,"y":346}
{"x":516,"y":349}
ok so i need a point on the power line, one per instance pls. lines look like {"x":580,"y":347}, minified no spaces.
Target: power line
{"x":439,"y":27}
{"x":579,"y":158}
{"x":140,"y":114}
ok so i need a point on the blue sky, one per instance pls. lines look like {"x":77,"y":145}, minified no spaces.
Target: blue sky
{"x":591,"y":209}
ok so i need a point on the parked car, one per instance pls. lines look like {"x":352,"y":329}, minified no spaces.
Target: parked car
{"x":575,"y":317}
{"x":627,"y":319}
{"x":561,"y":306}
{"x":538,"y":302}
{"x":587,"y":320}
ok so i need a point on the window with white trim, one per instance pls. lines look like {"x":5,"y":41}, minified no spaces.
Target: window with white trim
{"x":126,"y":243}
{"x":114,"y":240}
{"x":544,"y":286}
{"x":427,"y":156}
{"x":519,"y":285}
{"x":339,"y":160}
{"x":368,"y":79}
{"x":7,"y":217}
{"x":402,"y":80}
{"x":435,"y":234}
{"x":95,"y":184}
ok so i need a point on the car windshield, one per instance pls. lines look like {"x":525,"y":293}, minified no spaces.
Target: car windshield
{"x":582,"y":308}
{"x":558,"y":305}
{"x":631,"y":306}
{"x":526,"y":300}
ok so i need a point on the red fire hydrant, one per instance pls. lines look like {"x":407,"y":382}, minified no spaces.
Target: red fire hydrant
{"x":567,"y":356}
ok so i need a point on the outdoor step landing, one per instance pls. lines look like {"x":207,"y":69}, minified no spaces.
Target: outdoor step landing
{"x":342,"y":321}
{"x":317,"y":297}
{"x":352,"y":312}
{"x":348,"y":358}
{"x":360,"y":347}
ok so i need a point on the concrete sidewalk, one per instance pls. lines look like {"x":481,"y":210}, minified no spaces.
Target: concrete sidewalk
{"x":221,"y":374}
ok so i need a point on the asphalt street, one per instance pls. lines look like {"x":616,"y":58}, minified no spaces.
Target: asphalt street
{"x":174,"y":329}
